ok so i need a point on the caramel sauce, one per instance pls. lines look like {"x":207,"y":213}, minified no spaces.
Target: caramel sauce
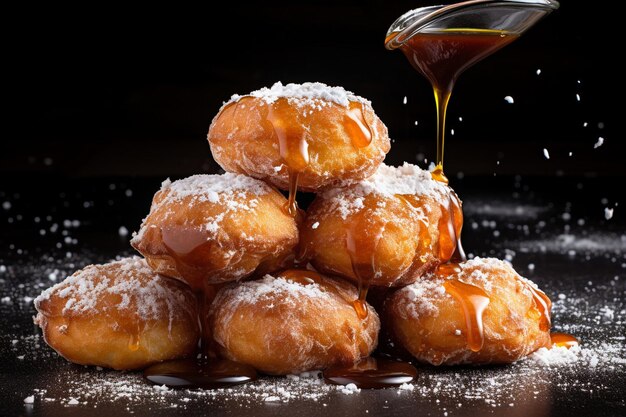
{"x":181,"y":240}
{"x":473,"y":301}
{"x":188,"y":246}
{"x":292,"y":145}
{"x":441,"y":56}
{"x":205,"y":299}
{"x":133,"y":342}
{"x":363,"y":234}
{"x":133,"y":328}
{"x":193,"y":373}
{"x":372,"y":373}
{"x":302,"y":276}
{"x":356,"y":126}
{"x":292,"y":133}
{"x":563,"y":340}
{"x":450,"y":226}
{"x":542,"y":304}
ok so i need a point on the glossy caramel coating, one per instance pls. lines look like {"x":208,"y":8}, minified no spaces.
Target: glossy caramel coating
{"x":306,"y":129}
{"x":294,"y":322}
{"x":388,"y":229}
{"x":488,"y":315}
{"x":119,"y":315}
{"x":211,"y":229}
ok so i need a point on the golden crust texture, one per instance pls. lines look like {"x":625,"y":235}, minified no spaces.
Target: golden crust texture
{"x":294,"y":322}
{"x":431,"y":323}
{"x":211,"y":229}
{"x":396,"y":221}
{"x":119,"y":315}
{"x":243,"y":140}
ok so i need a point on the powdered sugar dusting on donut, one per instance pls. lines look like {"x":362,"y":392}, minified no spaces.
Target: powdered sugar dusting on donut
{"x":298,"y":313}
{"x":388,"y":181}
{"x":140,"y":291}
{"x":485,"y":263}
{"x":312,"y":93}
{"x":269,"y":288}
{"x":213,"y":188}
{"x":423,"y":294}
{"x":420,"y":297}
{"x":481,"y":271}
{"x":234,"y":191}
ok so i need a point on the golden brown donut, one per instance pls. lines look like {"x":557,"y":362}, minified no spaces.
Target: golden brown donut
{"x":438,"y":318}
{"x":388,"y":229}
{"x":210,"y":229}
{"x":293,"y":322}
{"x":119,"y":315}
{"x":327,"y":134}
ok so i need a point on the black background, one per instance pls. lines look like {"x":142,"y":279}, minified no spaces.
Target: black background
{"x":115,"y":91}
{"x":102,"y":103}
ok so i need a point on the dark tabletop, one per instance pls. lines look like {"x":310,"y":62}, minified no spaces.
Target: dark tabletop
{"x":553,"y":230}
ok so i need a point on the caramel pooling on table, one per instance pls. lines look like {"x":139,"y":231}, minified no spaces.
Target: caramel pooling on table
{"x":563,"y":340}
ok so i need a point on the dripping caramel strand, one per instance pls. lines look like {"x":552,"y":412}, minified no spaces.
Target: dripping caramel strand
{"x":473,"y":301}
{"x":292,"y":145}
{"x":363,"y":235}
{"x":357,"y":127}
{"x":292,"y":139}
{"x":542,"y":304}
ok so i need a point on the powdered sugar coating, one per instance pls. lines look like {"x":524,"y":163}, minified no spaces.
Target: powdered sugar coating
{"x":313,"y":94}
{"x":271,"y":288}
{"x":420,"y":297}
{"x":424,"y":295}
{"x":288,"y":324}
{"x":235,"y":192}
{"x":432,"y":324}
{"x":213,"y":188}
{"x":141,"y":292}
{"x":388,"y":181}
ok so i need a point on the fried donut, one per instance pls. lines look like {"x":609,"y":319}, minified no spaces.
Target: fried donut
{"x":326,"y":135}
{"x":387,"y":229}
{"x":210,"y":229}
{"x":293,"y":322}
{"x":119,"y":315}
{"x":478,"y":312}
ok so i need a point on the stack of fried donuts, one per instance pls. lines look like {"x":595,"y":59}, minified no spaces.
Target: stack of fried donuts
{"x":232,"y":264}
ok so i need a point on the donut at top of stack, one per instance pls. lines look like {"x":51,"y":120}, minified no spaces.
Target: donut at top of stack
{"x":310,"y":136}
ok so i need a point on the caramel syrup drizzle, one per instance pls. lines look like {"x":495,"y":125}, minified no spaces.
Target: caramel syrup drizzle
{"x":302,"y":276}
{"x":188,"y":247}
{"x":292,"y":133}
{"x":357,"y":127}
{"x":363,"y":235}
{"x":441,"y":56}
{"x":473,"y":301}
{"x":450,"y":226}
{"x":292,"y":145}
{"x":542,"y":304}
